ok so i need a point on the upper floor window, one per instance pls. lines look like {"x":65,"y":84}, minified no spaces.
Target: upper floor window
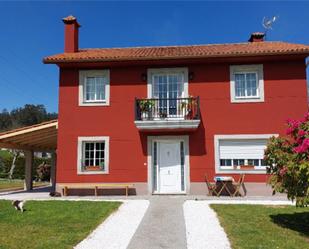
{"x":94,"y":87}
{"x":168,"y":83}
{"x":247,"y":84}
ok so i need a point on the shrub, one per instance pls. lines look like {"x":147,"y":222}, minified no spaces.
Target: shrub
{"x":288,"y":160}
{"x":19,"y":172}
{"x":43,"y":172}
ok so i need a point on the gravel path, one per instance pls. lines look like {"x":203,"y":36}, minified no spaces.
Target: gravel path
{"x":163,"y":225}
{"x":117,"y":230}
{"x":203,"y":227}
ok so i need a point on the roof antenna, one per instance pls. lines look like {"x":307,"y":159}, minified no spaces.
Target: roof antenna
{"x":268,"y":23}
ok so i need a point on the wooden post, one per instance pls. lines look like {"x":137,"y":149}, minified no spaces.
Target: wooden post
{"x":28,"y":169}
{"x":127,"y":190}
{"x":96,"y":191}
{"x":53,"y":165}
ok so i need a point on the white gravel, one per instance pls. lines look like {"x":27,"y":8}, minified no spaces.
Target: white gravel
{"x":118,"y":229}
{"x":203,"y":229}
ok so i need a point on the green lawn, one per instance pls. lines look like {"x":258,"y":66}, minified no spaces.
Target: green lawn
{"x":16,"y":184}
{"x":50,"y":224}
{"x":267,"y":227}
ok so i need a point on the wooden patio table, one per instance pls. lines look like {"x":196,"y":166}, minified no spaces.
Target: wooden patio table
{"x":224,"y":182}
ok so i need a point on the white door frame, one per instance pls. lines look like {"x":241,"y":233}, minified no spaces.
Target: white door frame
{"x":150,"y":140}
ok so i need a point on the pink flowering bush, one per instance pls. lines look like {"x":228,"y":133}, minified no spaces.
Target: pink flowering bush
{"x":288,"y":160}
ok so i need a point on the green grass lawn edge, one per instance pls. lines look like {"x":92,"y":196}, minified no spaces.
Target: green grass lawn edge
{"x":51,"y":224}
{"x":264,"y":227}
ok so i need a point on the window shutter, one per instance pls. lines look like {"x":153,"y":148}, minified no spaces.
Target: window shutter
{"x":242,"y":149}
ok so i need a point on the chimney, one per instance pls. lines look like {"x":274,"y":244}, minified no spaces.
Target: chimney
{"x":257,"y":37}
{"x":70,"y":34}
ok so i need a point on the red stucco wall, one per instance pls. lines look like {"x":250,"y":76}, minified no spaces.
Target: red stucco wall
{"x":285,"y":96}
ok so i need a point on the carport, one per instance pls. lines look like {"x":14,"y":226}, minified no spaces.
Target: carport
{"x":35,"y":138}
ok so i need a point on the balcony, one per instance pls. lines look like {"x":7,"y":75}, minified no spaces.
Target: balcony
{"x":167,"y":113}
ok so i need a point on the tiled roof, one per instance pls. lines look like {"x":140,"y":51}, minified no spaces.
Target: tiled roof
{"x":179,"y":52}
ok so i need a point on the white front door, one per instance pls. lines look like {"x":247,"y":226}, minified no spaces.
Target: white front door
{"x":169,"y":167}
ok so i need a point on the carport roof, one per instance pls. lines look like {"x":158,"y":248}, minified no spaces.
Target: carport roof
{"x":39,"y":137}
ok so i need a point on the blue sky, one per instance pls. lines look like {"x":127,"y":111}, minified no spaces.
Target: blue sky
{"x":32,"y":30}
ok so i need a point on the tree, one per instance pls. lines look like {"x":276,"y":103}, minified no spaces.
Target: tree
{"x":5,"y":120}
{"x":288,"y":160}
{"x":16,"y":154}
{"x":24,"y":116}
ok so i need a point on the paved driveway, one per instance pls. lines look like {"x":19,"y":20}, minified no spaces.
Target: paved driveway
{"x":163,"y":225}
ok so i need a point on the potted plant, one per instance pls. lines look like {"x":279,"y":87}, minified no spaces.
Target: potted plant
{"x":184,"y":108}
{"x":189,"y":107}
{"x":162,"y":114}
{"x":146,"y":108}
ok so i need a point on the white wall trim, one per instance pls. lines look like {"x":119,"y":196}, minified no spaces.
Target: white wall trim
{"x":152,"y":71}
{"x":185,"y":139}
{"x":100,"y":73}
{"x":217,"y":138}
{"x":167,"y":124}
{"x":80,"y":154}
{"x":257,"y":68}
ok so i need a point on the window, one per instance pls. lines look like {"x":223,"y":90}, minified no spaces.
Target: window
{"x":94,"y":87}
{"x":93,"y":155}
{"x":247,"y":84}
{"x":168,"y":85}
{"x":234,"y":151}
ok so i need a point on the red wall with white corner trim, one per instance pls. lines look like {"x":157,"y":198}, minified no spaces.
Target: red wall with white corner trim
{"x":285,"y":97}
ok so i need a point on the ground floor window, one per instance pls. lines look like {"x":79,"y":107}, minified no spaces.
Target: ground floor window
{"x":93,"y":155}
{"x":233,"y":152}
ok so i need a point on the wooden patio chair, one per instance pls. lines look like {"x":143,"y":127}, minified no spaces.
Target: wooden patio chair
{"x":212,"y":187}
{"x":238,"y":185}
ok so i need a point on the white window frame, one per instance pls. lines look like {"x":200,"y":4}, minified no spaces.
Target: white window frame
{"x":228,"y":169}
{"x":80,"y":153}
{"x":153,"y":71}
{"x":83,"y":74}
{"x":258,"y":70}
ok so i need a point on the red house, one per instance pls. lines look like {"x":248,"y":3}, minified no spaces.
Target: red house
{"x":162,"y":117}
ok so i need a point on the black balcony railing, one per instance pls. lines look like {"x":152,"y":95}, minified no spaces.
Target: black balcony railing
{"x":164,"y":109}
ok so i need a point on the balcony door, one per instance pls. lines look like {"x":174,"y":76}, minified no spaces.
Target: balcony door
{"x":168,"y":86}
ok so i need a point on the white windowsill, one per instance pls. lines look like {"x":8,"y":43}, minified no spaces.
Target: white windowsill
{"x":92,"y":172}
{"x":246,"y":100}
{"x":239,"y":171}
{"x":94,"y":103}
